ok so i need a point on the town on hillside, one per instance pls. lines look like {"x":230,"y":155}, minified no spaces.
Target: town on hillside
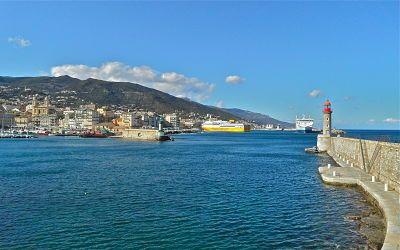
{"x":60,"y":115}
{"x":42,"y":115}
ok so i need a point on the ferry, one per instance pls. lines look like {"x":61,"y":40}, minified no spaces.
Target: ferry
{"x":224,"y":126}
{"x":304,"y":125}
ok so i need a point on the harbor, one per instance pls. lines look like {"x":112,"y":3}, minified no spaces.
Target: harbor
{"x":200,"y":125}
{"x":339,"y":160}
{"x":192,"y":199}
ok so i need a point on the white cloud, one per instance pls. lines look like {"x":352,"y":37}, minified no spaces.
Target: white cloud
{"x":392,"y":120}
{"x":234,"y":79}
{"x":170,"y":82}
{"x":19,"y":41}
{"x":371,"y":120}
{"x":315,"y":93}
{"x":220,"y":104}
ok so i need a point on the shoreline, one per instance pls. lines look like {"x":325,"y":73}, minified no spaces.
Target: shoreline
{"x":376,"y":241}
{"x":384,"y":201}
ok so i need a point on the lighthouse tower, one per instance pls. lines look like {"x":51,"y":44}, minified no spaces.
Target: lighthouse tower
{"x":324,"y":139}
{"x":327,"y":123}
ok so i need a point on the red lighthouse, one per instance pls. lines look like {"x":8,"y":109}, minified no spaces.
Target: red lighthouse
{"x":327,"y":123}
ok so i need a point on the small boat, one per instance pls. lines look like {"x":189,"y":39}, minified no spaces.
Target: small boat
{"x":7,"y":135}
{"x":95,"y":134}
{"x":164,"y":138}
{"x":313,"y":150}
{"x":42,"y":133}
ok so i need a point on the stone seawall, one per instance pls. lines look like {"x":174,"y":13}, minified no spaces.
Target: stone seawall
{"x":142,"y":134}
{"x":380,"y":159}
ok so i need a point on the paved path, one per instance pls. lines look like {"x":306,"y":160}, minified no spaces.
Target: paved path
{"x":389,"y":201}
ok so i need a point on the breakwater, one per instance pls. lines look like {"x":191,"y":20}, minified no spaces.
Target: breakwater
{"x":379,"y":159}
{"x":144,"y":134}
{"x":375,"y":167}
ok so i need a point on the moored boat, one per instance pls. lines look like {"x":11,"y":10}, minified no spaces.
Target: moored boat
{"x":93,"y":134}
{"x":305,"y":125}
{"x":224,"y":126}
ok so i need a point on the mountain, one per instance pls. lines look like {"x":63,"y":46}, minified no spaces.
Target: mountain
{"x":108,"y":93}
{"x":120,"y":93}
{"x":258,"y":118}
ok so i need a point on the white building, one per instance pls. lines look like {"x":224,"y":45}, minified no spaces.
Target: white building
{"x":45,"y":121}
{"x":269,"y":126}
{"x":131,"y":120}
{"x":173,"y":119}
{"x":86,"y":118}
{"x":81,"y":119}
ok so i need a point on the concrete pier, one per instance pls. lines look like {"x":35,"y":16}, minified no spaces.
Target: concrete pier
{"x":144,"y":134}
{"x":372,"y":165}
{"x":388,"y":200}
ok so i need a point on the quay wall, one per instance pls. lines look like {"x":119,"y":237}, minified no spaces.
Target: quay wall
{"x":381,"y":159}
{"x":142,"y":134}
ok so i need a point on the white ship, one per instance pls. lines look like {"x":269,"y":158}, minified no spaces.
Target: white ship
{"x":304,"y":124}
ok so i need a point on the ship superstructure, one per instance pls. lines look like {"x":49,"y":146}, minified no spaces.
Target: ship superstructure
{"x":304,"y":124}
{"x":224,"y":126}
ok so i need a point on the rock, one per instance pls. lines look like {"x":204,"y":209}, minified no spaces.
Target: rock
{"x":375,"y":237}
{"x":353,"y":217}
{"x":374,"y":221}
{"x":373,"y":227}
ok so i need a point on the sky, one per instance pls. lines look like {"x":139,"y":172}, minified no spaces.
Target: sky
{"x":278,"y":58}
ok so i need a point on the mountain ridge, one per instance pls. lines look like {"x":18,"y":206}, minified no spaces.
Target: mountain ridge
{"x":258,"y":118}
{"x":103,"y":92}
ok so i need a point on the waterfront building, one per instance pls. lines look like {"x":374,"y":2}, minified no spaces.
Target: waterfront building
{"x":38,"y":109}
{"x":154,"y":120}
{"x":106,"y":115}
{"x":80,"y":119}
{"x":173,"y":119}
{"x":149,"y":119}
{"x":6,"y":119}
{"x":188,"y":123}
{"x":129,"y":119}
{"x":269,"y":126}
{"x":86,"y":118}
{"x":45,"y":121}
{"x":69,"y":121}
{"x":22,"y":121}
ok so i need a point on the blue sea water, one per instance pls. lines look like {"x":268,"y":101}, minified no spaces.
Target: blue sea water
{"x":252,"y":190}
{"x":376,"y":135}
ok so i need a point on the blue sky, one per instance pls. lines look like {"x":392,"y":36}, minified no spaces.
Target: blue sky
{"x":276,"y":53}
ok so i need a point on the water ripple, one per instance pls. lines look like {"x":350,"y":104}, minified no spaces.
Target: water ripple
{"x":255,"y":190}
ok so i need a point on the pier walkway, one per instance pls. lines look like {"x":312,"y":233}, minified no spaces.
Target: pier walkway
{"x":387,"y":199}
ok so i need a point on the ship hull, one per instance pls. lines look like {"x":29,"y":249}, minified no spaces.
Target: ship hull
{"x":305,"y":130}
{"x":227,"y":129}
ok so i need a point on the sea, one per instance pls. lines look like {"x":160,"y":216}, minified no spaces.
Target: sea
{"x":201,"y":191}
